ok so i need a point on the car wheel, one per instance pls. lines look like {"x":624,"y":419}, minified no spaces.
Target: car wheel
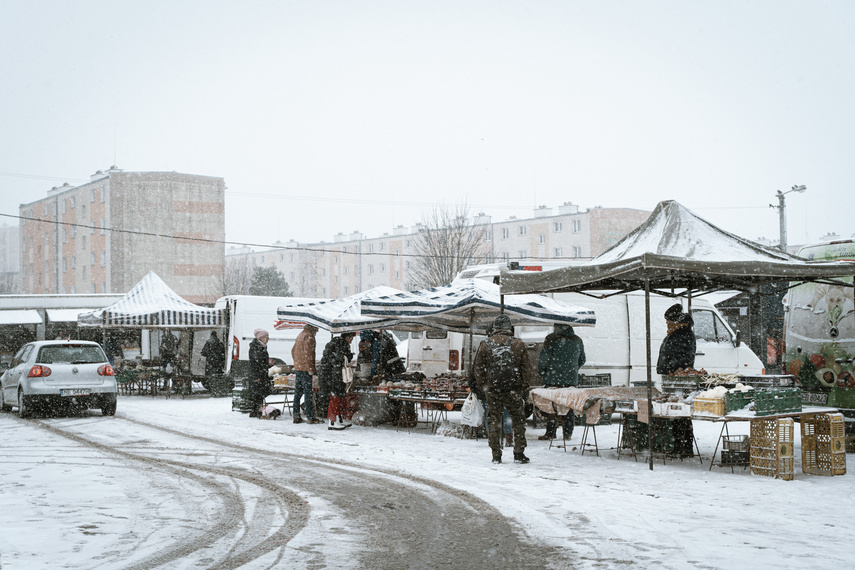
{"x":3,"y":405}
{"x":23,"y":405}
{"x":109,"y":408}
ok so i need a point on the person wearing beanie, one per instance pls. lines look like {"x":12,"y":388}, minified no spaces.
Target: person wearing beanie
{"x":503,"y":373}
{"x":676,"y":353}
{"x":259,"y":364}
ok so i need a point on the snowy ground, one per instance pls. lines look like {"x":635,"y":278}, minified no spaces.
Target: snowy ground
{"x":64,"y":505}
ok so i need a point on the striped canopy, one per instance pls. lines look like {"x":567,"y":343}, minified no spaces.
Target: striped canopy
{"x":473,"y":303}
{"x":151,"y":304}
{"x":336,"y":315}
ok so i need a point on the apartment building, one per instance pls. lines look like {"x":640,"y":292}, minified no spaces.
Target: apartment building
{"x":105,"y":235}
{"x":352,"y":263}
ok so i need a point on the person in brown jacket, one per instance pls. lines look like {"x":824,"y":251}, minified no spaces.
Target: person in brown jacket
{"x":303,"y":353}
{"x":503,"y":373}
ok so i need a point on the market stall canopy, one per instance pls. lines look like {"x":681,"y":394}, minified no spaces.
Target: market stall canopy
{"x":472,"y":303}
{"x":676,"y":249}
{"x":20,"y":317}
{"x":337,"y":315}
{"x":66,"y":315}
{"x":151,"y":304}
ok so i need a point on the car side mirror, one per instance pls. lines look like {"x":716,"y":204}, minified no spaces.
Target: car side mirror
{"x":737,"y":339}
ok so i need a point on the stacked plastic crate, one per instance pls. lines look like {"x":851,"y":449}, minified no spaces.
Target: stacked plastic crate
{"x":823,"y":444}
{"x":772,"y":448}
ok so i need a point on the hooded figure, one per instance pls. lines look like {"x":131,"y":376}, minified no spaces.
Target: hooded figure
{"x":259,"y":364}
{"x":503,"y":373}
{"x":562,"y":355}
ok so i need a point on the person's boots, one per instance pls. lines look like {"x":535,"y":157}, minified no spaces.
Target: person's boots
{"x":521,"y":458}
{"x":551,"y":430}
{"x":345,"y":422}
{"x":497,"y":457}
{"x":336,"y":424}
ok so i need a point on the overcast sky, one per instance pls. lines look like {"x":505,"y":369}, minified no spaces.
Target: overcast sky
{"x":361,"y":115}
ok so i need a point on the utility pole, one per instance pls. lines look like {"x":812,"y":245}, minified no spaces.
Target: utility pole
{"x":782,"y":214}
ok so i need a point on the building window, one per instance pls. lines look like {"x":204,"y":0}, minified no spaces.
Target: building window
{"x":103,"y":226}
{"x":541,"y":239}
{"x":73,"y":262}
{"x":62,"y":206}
{"x":370,"y":270}
{"x":506,"y":233}
{"x":397,"y":275}
{"x":336,"y":278}
{"x":102,"y":197}
{"x":104,"y":258}
{"x":71,"y":201}
{"x":556,"y":226}
{"x":558,"y":252}
{"x":506,"y":257}
{"x":335,"y":260}
{"x":577,"y":226}
{"x":523,"y":230}
{"x":346,"y":289}
{"x":91,"y":258}
{"x":577,"y":251}
{"x":103,"y":286}
{"x":64,"y":264}
{"x":93,"y":288}
{"x":522,"y":254}
{"x":382,"y":267}
{"x":64,"y":235}
{"x":91,"y":194}
{"x":488,"y":235}
{"x":370,"y":248}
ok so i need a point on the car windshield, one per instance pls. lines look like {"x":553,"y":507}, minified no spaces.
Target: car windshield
{"x":71,"y":354}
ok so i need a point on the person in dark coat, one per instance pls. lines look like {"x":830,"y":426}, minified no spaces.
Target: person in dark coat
{"x":489,"y":361}
{"x":259,"y":366}
{"x":678,"y":348}
{"x":331,"y":387}
{"x":676,"y":353}
{"x":214,"y":353}
{"x":562,"y":355}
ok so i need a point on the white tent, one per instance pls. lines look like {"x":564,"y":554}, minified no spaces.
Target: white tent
{"x":336,"y":315}
{"x":469,"y":304}
{"x":151,"y":304}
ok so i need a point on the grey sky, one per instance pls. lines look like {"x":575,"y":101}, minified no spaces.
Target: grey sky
{"x":340,"y":116}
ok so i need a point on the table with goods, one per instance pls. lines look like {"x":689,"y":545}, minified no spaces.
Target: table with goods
{"x":769,"y":402}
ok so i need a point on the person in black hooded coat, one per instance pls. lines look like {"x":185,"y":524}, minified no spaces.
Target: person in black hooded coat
{"x":678,"y":352}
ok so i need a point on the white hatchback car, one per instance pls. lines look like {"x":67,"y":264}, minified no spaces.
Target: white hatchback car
{"x":55,"y":374}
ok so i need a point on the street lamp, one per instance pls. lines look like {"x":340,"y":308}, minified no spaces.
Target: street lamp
{"x":782,"y":214}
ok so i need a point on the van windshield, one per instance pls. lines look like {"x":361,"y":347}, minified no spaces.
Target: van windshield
{"x":709,"y":327}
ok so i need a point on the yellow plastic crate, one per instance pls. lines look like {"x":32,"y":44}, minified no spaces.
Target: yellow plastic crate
{"x":823,"y":444}
{"x":714,"y":406}
{"x":772,"y":448}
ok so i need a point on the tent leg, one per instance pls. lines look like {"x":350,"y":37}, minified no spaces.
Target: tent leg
{"x":649,"y":374}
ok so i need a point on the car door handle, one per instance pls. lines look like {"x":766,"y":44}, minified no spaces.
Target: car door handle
{"x":699,"y":353}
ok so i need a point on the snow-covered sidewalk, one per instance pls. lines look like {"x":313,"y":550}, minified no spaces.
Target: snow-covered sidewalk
{"x":678,"y":515}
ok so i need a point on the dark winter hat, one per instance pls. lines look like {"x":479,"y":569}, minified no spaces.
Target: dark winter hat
{"x":502,"y":323}
{"x":674,"y":313}
{"x":367,"y":335}
{"x":564,"y":329}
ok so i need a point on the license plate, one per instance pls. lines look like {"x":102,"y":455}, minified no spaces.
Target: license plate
{"x":814,"y":398}
{"x":74,"y":392}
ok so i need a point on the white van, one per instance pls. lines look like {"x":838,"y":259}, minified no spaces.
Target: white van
{"x":245,"y":313}
{"x":616,"y":346}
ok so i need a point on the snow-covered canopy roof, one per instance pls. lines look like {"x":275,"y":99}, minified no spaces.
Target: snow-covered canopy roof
{"x":473,"y":303}
{"x":336,"y":315}
{"x":676,"y":249}
{"x":151,"y":304}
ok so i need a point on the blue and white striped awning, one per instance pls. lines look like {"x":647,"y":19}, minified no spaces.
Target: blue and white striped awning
{"x":336,"y":315}
{"x":152,"y":304}
{"x":473,"y":303}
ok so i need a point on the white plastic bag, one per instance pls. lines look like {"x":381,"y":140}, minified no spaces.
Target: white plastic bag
{"x":472,"y":412}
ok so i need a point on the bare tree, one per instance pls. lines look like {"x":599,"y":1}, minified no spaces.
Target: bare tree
{"x":447,"y":242}
{"x":237,"y":277}
{"x":9,"y":283}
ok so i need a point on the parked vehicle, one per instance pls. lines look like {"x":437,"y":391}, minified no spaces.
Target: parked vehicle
{"x":616,"y":346}
{"x":819,"y":334}
{"x":46,"y":375}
